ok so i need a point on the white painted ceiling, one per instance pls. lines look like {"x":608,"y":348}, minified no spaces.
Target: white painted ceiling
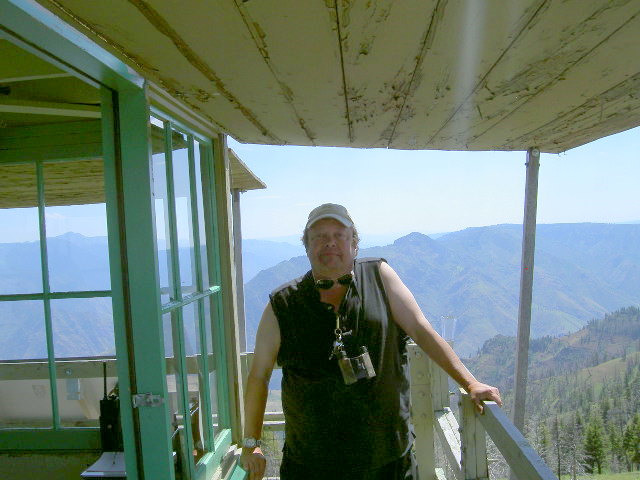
{"x":406,"y":74}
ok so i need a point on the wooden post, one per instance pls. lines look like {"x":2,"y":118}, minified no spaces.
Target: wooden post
{"x":237,"y":249}
{"x":473,"y":440}
{"x":222,"y":174}
{"x":422,"y":411}
{"x":526,"y":285}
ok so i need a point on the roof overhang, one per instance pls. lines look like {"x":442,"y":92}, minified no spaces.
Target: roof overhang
{"x":242,"y":178}
{"x":416,"y":74}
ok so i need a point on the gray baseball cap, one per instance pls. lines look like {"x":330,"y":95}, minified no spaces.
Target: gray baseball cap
{"x":330,"y":210}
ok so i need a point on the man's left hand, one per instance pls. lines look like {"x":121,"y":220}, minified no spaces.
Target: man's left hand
{"x":481,"y":391}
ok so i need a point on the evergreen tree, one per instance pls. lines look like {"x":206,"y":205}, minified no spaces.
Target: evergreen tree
{"x":572,"y":439}
{"x":594,"y":449}
{"x":556,"y":427}
{"x":616,"y":453}
{"x":631,"y":442}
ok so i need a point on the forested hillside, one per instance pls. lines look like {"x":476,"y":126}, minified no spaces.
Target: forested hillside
{"x":583,"y":396}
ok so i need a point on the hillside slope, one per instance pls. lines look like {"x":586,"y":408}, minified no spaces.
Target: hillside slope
{"x":582,"y":271}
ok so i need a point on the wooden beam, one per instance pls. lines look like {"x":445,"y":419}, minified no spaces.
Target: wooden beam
{"x":522,"y":458}
{"x":526,"y":285}
{"x":30,"y":78}
{"x":237,"y":249}
{"x":448,"y":432}
{"x":49,"y":108}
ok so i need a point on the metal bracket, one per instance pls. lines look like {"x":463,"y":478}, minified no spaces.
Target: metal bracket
{"x":147,"y":400}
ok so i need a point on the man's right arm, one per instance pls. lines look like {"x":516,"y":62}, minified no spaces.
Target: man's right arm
{"x":257,"y":389}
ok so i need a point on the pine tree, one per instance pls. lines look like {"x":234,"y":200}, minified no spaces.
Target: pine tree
{"x":594,"y":449}
{"x":616,"y":454}
{"x":556,"y":427}
{"x":631,"y":442}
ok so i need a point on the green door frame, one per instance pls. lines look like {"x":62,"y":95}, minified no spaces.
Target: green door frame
{"x":131,"y":224}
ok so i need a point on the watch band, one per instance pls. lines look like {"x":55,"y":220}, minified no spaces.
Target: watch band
{"x":249,"y":442}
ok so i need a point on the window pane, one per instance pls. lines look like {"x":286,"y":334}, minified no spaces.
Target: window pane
{"x":20,"y":267}
{"x":200,"y":157}
{"x":25,"y":393}
{"x":161,"y":208}
{"x":80,"y":386}
{"x":213,"y":380}
{"x":194,"y":352}
{"x":82,"y":327}
{"x":76,"y":225}
{"x":184,"y":223}
{"x":23,"y":330}
{"x":176,"y":413}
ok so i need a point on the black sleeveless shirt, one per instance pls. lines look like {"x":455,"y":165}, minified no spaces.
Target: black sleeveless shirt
{"x":331,"y":425}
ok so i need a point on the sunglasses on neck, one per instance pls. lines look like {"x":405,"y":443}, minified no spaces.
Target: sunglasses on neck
{"x":326,"y":284}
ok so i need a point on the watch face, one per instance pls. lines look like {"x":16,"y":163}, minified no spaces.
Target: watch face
{"x":250,"y":443}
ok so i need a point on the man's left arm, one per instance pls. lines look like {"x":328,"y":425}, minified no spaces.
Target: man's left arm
{"x":408,"y":315}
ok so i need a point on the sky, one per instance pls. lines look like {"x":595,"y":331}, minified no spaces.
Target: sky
{"x":390,"y":193}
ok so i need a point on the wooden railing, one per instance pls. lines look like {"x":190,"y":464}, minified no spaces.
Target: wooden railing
{"x":463,"y":444}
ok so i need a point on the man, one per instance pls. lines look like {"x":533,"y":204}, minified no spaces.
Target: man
{"x":346,"y":407}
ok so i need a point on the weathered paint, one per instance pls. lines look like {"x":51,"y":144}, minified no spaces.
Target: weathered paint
{"x":420,"y":74}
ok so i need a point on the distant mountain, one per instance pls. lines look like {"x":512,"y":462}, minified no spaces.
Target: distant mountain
{"x":76,"y":262}
{"x":258,"y":255}
{"x":582,"y":271}
{"x":81,"y":326}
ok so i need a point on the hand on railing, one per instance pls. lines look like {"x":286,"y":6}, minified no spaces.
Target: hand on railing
{"x":253,"y":462}
{"x":481,"y":391}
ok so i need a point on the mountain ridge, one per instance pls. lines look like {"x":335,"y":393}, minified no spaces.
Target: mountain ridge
{"x":582,"y":271}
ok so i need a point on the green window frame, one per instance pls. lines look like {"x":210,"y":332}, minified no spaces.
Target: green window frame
{"x":65,"y":436}
{"x":210,"y":336}
{"x":135,"y":294}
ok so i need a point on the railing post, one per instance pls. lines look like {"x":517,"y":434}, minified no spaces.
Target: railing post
{"x":474,"y":442}
{"x":422,"y":410}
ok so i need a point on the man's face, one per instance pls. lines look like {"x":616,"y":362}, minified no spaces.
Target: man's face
{"x":330,"y":248}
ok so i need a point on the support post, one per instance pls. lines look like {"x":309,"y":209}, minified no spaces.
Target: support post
{"x":237,"y":250}
{"x":222,"y":172}
{"x":473,"y":441}
{"x":526,"y":285}
{"x":422,"y":411}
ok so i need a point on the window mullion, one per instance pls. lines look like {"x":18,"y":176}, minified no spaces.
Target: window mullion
{"x":44,"y":261}
{"x":182,"y":383}
{"x":224,"y":416}
{"x":203,"y":371}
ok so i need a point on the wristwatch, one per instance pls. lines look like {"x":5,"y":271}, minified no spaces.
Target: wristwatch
{"x":249,"y":442}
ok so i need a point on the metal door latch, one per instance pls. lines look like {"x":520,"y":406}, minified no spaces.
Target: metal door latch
{"x":147,"y":400}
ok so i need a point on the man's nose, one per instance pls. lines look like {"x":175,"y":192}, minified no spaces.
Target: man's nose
{"x":330,"y":241}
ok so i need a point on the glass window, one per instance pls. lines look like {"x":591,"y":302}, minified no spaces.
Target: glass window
{"x":199,"y":164}
{"x":81,"y":325}
{"x":25,"y":396}
{"x":183,"y":208}
{"x":182,"y":187}
{"x":161,"y":208}
{"x":76,"y":226}
{"x":20,"y":267}
{"x":213,"y":380}
{"x":195,"y":362}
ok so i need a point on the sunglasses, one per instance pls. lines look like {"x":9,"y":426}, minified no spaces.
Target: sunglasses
{"x":326,"y":284}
